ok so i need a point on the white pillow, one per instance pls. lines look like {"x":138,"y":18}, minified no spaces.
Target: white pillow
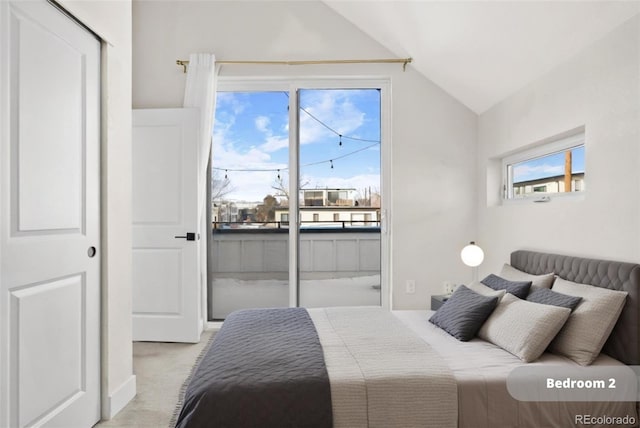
{"x":590,"y":323}
{"x":537,"y":281}
{"x":480,"y":288}
{"x":523,"y":328}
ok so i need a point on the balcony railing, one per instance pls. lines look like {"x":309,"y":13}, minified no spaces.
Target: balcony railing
{"x":371,"y":225}
{"x":338,"y":265}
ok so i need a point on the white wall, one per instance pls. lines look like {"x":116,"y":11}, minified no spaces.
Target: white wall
{"x":600,"y":90}
{"x":433,"y":136}
{"x":111,"y":20}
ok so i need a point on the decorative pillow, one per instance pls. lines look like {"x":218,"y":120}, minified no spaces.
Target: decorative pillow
{"x":480,"y":288}
{"x":549,"y":297}
{"x":523,"y":328}
{"x":590,"y":324}
{"x":537,"y":281}
{"x":463,"y":313}
{"x":518,"y":289}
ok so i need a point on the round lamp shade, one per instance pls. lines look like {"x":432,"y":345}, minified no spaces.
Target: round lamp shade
{"x":472,"y":255}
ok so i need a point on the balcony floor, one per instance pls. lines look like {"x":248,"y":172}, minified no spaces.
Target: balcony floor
{"x":230,"y":294}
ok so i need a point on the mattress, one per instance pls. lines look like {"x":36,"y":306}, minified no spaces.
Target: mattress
{"x":392,"y":370}
{"x":339,"y":367}
{"x":480,"y":370}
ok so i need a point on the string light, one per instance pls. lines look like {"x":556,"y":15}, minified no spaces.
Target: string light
{"x":279,"y":175}
{"x":287,"y":168}
{"x":226,"y":177}
{"x":331,"y":129}
{"x":340,"y":143}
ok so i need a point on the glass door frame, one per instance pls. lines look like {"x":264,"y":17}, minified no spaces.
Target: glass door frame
{"x":292,"y":86}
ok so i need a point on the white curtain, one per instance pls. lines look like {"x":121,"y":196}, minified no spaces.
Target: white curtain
{"x":200,"y":92}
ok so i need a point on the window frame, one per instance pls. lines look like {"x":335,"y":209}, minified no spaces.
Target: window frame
{"x":547,"y":148}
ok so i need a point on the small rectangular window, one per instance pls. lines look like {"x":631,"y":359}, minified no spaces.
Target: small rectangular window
{"x":313,"y":198}
{"x":316,"y":218}
{"x":550,"y":169}
{"x":357,"y":219}
{"x":339,"y":197}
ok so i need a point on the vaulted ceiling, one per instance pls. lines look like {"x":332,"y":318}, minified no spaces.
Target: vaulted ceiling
{"x":481,"y":52}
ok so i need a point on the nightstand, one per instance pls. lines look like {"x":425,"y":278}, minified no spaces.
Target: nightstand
{"x":437,"y":301}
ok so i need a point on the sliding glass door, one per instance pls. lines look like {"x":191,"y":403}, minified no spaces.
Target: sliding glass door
{"x":250,"y":157}
{"x":339,"y":197}
{"x":297,"y":205}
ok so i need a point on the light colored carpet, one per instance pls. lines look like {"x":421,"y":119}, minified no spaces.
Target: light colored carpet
{"x":160,"y":369}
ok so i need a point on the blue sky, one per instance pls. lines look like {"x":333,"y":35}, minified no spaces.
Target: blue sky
{"x":548,"y":166}
{"x":251,"y":132}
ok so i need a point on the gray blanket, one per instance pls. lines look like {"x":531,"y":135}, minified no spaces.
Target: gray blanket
{"x":264,"y":369}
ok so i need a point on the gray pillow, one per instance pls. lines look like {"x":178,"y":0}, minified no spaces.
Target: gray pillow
{"x":548,"y":297}
{"x":464,"y":313}
{"x":519,"y":289}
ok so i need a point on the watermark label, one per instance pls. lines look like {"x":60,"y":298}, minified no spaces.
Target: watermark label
{"x":616,"y":421}
{"x":569,"y":383}
{"x":574,"y":383}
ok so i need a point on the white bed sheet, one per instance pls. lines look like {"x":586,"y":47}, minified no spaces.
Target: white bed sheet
{"x":481,"y":369}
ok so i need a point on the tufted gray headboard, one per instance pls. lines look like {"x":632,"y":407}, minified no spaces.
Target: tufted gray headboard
{"x":624,"y":342}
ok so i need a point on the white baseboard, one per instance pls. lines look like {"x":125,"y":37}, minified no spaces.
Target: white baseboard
{"x":213,"y":325}
{"x":119,"y":398}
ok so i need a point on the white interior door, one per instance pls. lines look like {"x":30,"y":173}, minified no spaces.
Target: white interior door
{"x":49,"y":218}
{"x":166,"y":262}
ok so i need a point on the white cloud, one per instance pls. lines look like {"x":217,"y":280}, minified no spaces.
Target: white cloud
{"x":333,"y":108}
{"x":275,"y":143}
{"x":225,"y":155}
{"x":272,"y":143}
{"x":230,"y":99}
{"x":252,"y":186}
{"x":527,"y":171}
{"x":262,"y":124}
{"x":247,"y":185}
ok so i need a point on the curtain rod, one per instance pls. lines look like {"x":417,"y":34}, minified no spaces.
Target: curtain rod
{"x":403,"y":61}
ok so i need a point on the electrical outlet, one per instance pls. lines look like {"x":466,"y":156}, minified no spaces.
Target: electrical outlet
{"x":410,"y":286}
{"x":449,"y":287}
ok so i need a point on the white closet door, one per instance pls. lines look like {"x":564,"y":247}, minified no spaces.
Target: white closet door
{"x":166,"y":263}
{"x":49,"y":218}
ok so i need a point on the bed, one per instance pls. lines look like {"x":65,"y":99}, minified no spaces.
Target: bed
{"x":366,"y":367}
